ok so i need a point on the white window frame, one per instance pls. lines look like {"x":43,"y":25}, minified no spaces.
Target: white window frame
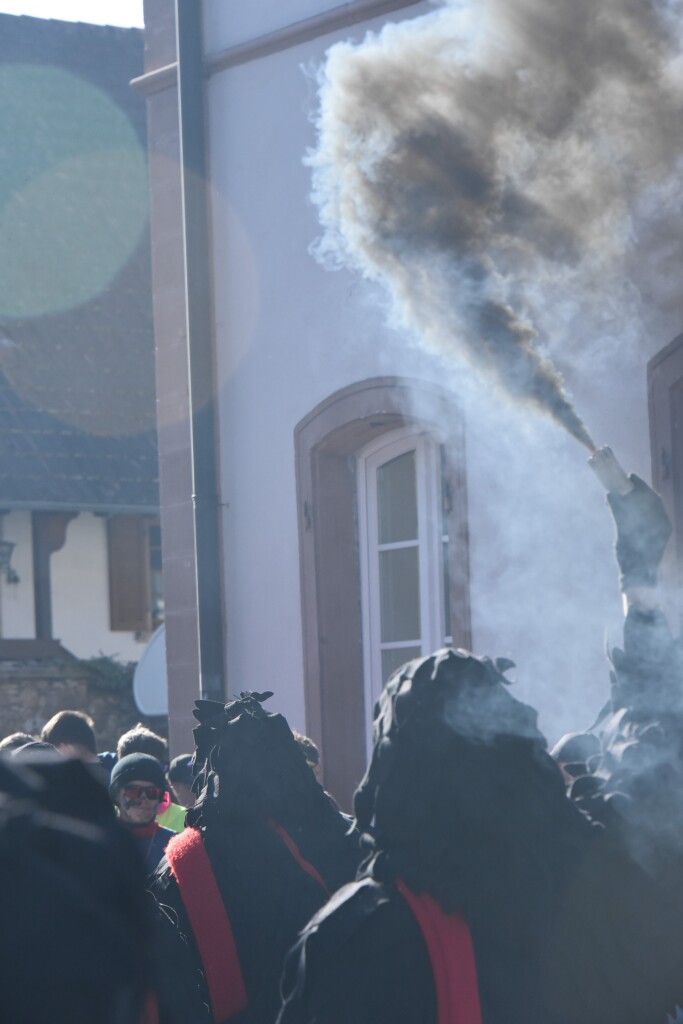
{"x":430,"y":550}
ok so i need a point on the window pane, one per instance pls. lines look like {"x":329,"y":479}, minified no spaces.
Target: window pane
{"x":397,"y":656}
{"x":399,"y":583}
{"x":154,"y":536}
{"x":397,"y":500}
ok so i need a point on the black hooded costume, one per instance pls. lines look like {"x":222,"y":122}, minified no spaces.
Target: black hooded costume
{"x":74,"y":936}
{"x":617,"y":953}
{"x":574,"y":907}
{"x":468,"y":808}
{"x":277,"y":847}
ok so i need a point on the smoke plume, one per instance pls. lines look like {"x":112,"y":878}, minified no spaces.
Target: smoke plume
{"x":508,"y":173}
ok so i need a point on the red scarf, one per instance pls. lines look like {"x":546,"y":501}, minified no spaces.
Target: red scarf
{"x":449,"y":945}
{"x":203,"y":902}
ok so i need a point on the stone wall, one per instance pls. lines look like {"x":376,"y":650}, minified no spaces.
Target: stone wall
{"x":40,"y":678}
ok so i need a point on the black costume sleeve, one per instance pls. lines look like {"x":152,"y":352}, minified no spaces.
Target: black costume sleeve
{"x":179,"y":976}
{"x":617,"y":953}
{"x":361,"y":960}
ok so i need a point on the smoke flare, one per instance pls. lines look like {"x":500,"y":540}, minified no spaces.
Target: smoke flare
{"x":479,"y":163}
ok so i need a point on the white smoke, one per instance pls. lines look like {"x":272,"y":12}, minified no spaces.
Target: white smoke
{"x":510,"y":172}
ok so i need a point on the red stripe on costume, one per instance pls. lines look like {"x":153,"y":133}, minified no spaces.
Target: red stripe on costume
{"x":202,"y":899}
{"x":451,"y":953}
{"x":296,"y":853}
{"x":150,"y":1010}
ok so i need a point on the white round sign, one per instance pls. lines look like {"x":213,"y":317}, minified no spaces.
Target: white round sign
{"x":150,"y":682}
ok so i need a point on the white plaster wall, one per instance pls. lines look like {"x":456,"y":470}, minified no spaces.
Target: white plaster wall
{"x":290,"y":333}
{"x":80,"y":595}
{"x":226,"y":25}
{"x":17,"y":613}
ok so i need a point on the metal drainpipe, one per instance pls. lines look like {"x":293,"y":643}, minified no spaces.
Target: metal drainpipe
{"x":200,"y":346}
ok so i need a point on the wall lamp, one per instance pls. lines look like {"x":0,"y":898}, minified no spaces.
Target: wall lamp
{"x":6,"y":549}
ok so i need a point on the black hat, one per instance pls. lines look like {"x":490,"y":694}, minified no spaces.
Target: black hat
{"x":137,"y":766}
{"x":181,"y":769}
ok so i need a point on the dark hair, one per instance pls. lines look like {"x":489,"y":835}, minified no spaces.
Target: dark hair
{"x":16,"y":739}
{"x":141,"y":740}
{"x":70,"y":727}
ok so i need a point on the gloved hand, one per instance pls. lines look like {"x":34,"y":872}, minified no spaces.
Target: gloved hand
{"x":643,"y":528}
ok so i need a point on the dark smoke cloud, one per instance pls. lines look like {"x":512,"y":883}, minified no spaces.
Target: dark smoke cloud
{"x":511,"y":174}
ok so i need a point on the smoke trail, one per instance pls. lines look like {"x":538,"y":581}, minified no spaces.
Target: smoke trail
{"x":489,"y":167}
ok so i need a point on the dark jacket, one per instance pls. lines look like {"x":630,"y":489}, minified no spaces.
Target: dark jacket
{"x":361,"y":959}
{"x":268,"y":898}
{"x":151,"y":844}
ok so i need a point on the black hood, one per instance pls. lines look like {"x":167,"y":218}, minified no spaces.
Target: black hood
{"x":249,"y":766}
{"x":465,"y":800}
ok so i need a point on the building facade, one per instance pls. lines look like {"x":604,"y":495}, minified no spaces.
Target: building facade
{"x":79,"y":498}
{"x":370,"y":507}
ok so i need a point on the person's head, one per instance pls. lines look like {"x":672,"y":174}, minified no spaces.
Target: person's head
{"x":141,"y":740}
{"x":465,"y":801}
{"x":181,"y":777}
{"x":136,"y":786}
{"x":16,"y":740}
{"x":249,"y":765}
{"x":72,"y":733}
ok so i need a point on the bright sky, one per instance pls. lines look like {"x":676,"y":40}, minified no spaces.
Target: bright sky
{"x":99,"y":12}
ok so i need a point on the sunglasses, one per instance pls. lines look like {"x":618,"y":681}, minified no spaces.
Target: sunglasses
{"x":137,"y":793}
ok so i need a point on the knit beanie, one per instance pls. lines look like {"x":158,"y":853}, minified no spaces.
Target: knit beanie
{"x":137,"y":766}
{"x":181,"y":769}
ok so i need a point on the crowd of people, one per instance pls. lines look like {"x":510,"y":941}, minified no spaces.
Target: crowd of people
{"x":140,"y":780}
{"x":481,"y":879}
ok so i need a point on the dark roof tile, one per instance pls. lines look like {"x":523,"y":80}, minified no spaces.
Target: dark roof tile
{"x":77,"y":401}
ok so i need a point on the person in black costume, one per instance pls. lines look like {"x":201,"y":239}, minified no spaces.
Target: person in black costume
{"x":277,"y":848}
{"x":74,"y":938}
{"x":468,"y":807}
{"x":573,"y":906}
{"x":617,"y":952}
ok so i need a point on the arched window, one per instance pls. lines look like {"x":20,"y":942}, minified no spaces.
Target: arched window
{"x":403,"y":550}
{"x":380,"y":490}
